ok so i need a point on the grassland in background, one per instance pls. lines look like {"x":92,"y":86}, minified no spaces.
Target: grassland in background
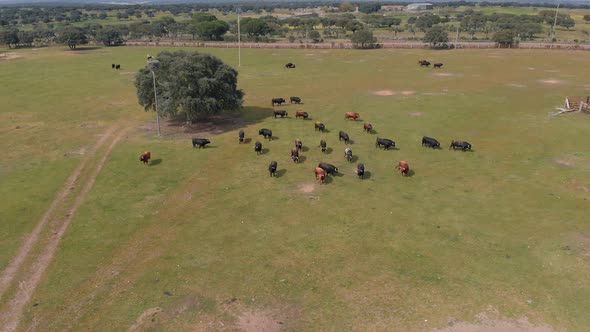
{"x":467,"y":232}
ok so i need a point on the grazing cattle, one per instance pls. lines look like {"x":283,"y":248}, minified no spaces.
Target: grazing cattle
{"x":320,"y":174}
{"x":277,"y":101}
{"x":298,"y":144}
{"x":424,"y":63}
{"x":295,"y":100}
{"x":272,"y":168}
{"x":343,"y":136}
{"x":360,"y":170}
{"x":117,"y":66}
{"x":351,"y":115}
{"x":437,"y":65}
{"x":145,"y":157}
{"x":319,"y":126}
{"x":460,"y":145}
{"x":241,"y":136}
{"x":267,"y":133}
{"x":280,"y":113}
{"x":258,"y":147}
{"x":112,"y":66}
{"x":367,"y":127}
{"x":385,"y":143}
{"x":348,"y":154}
{"x":290,"y":65}
{"x":329,"y":168}
{"x":429,"y":141}
{"x":301,"y":114}
{"x":295,"y":155}
{"x":403,"y":167}
{"x":323,"y":145}
{"x":201,"y":142}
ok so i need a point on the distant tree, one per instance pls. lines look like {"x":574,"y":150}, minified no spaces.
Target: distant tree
{"x":102,"y":16}
{"x":254,"y":27}
{"x":212,"y":30}
{"x":9,"y":37}
{"x":567,"y":22}
{"x":109,"y":36}
{"x":587,"y":18}
{"x":412,"y":20}
{"x":26,"y":38}
{"x":199,"y":17}
{"x":426,"y":21}
{"x":504,"y":37}
{"x":72,"y":36}
{"x":347,"y":7}
{"x":363,"y":39}
{"x":189,"y":83}
{"x":436,"y":35}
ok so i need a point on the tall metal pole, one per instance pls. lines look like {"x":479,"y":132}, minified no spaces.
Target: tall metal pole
{"x":156,"y":100}
{"x":239,"y":41}
{"x":555,"y":20}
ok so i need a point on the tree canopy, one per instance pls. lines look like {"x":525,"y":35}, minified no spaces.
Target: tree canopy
{"x":504,"y":38}
{"x":436,"y":35}
{"x":109,"y":36}
{"x":72,"y":36}
{"x":189,"y":83}
{"x":363,"y":39}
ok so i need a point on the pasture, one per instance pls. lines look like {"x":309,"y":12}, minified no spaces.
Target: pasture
{"x":205,"y":239}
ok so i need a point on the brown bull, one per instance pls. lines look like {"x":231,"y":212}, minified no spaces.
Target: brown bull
{"x":351,"y":115}
{"x":403,"y":167}
{"x":320,"y":174}
{"x":145,"y":157}
{"x":367,"y":127}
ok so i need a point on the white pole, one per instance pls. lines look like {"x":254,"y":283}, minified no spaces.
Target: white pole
{"x":239,"y":42}
{"x":555,"y":20}
{"x":156,"y":100}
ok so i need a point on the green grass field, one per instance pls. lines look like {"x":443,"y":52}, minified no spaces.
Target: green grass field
{"x":208,"y":238}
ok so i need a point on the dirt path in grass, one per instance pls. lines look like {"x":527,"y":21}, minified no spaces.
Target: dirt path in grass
{"x":11,"y":314}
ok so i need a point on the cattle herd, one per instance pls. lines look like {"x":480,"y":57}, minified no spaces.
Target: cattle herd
{"x":323,"y":169}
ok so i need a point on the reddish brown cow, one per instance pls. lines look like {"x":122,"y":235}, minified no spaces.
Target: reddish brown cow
{"x":298,"y":144}
{"x":320,"y":174}
{"x":367,"y":127}
{"x":351,"y":115}
{"x":403,"y":167}
{"x":145,"y":157}
{"x":301,"y":114}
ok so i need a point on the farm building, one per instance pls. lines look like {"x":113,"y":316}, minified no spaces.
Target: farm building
{"x":392,"y":8}
{"x":419,"y":6}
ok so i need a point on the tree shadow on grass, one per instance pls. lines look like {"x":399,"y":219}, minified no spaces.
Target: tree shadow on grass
{"x":156,"y":162}
{"x":214,"y":124}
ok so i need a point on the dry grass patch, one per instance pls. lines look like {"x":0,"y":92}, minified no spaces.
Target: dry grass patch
{"x":484,"y":323}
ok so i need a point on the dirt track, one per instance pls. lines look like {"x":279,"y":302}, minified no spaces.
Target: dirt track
{"x":25,"y":271}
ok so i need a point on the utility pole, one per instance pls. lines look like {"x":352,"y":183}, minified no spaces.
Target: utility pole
{"x":239,"y":41}
{"x":305,"y":36}
{"x":153,"y":65}
{"x":555,"y":21}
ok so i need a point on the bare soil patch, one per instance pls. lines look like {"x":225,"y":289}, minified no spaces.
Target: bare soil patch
{"x":486,"y":324}
{"x":416,"y":113}
{"x":307,"y":187}
{"x":565,"y":162}
{"x":551,"y":81}
{"x":443,"y":74}
{"x":127,"y":73}
{"x":577,"y":185}
{"x":144,"y":319}
{"x":258,"y":321}
{"x":516,"y":85}
{"x":9,"y":56}
{"x":392,"y":92}
{"x":582,"y":245}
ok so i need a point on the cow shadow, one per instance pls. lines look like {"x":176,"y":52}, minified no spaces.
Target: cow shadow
{"x":329,"y":150}
{"x":328,"y":179}
{"x":326,"y":131}
{"x":156,"y":162}
{"x":247,"y":140}
{"x":354,"y":159}
{"x":373,"y":132}
{"x":280,"y":173}
{"x":208,"y":147}
{"x":410,"y":173}
{"x":275,"y":138}
{"x":338,"y":174}
{"x":302,"y":159}
{"x":304,"y":149}
{"x":367,"y":176}
{"x":265,"y":151}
